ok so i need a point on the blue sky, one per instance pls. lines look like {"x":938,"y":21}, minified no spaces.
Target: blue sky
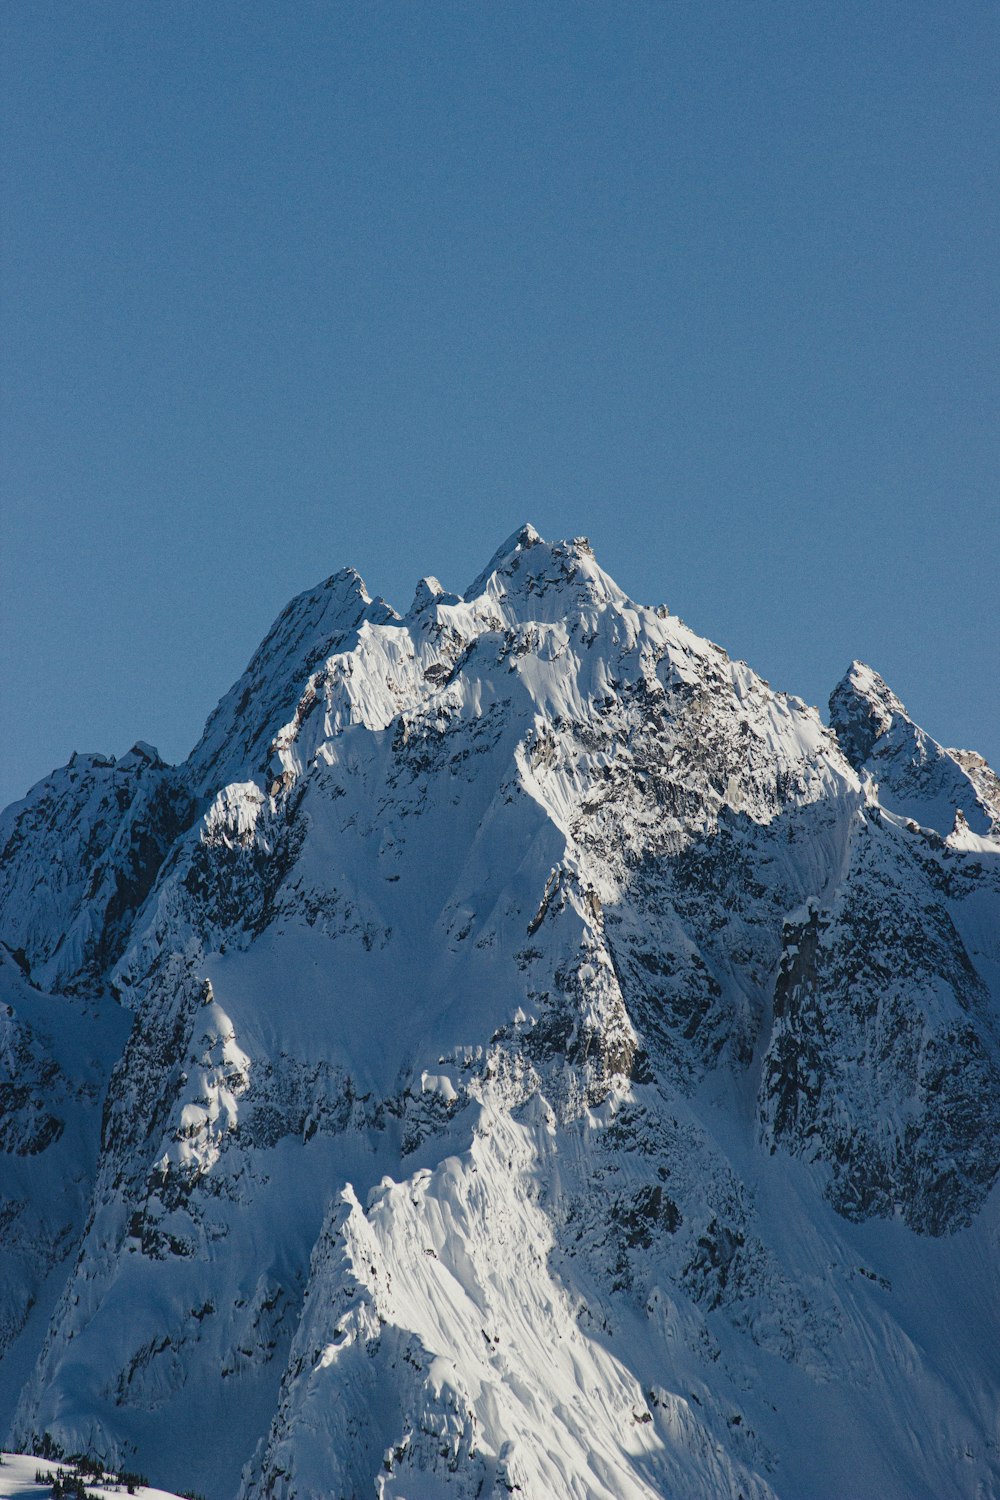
{"x":293,"y":285}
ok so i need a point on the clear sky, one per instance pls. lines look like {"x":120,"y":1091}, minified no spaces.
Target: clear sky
{"x":291,"y":285}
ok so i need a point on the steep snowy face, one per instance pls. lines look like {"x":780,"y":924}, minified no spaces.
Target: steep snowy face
{"x":55,"y":1056}
{"x":915,"y":775}
{"x":237,"y":737}
{"x":554,"y":1070}
{"x":79,"y":856}
{"x":883,"y":1056}
{"x":986,"y":782}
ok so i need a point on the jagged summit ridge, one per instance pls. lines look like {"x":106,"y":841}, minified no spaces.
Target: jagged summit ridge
{"x":327,"y":622}
{"x":532,"y":598}
{"x":552,"y":1059}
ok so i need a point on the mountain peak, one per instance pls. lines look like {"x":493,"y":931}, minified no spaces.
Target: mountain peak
{"x":546,"y":580}
{"x":519,"y":541}
{"x":457,"y":1146}
{"x":917,"y":777}
{"x":142,"y":753}
{"x":429,"y":591}
{"x":862,"y":708}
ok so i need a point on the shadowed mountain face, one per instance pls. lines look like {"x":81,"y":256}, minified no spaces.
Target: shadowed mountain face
{"x":518,"y":1052}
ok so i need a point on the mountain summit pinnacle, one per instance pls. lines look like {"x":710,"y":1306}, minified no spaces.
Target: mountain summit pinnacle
{"x":518,"y":542}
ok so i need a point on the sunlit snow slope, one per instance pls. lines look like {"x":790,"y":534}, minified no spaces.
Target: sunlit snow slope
{"x":559,"y":1065}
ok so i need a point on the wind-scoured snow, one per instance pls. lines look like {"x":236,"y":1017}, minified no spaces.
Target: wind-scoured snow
{"x":560,"y":1066}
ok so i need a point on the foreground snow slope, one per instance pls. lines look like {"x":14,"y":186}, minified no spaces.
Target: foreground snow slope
{"x":558,"y":1062}
{"x":18,"y":1481}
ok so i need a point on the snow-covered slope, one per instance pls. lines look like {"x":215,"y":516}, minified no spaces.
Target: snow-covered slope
{"x":556,"y":1068}
{"x":24,"y":1477}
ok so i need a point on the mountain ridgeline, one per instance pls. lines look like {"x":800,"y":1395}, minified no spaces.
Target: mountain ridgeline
{"x":519,"y":1052}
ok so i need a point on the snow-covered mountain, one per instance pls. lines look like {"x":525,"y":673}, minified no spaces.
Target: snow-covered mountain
{"x":519,"y":1052}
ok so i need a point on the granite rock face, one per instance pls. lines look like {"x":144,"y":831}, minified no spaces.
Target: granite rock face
{"x":518,"y":1052}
